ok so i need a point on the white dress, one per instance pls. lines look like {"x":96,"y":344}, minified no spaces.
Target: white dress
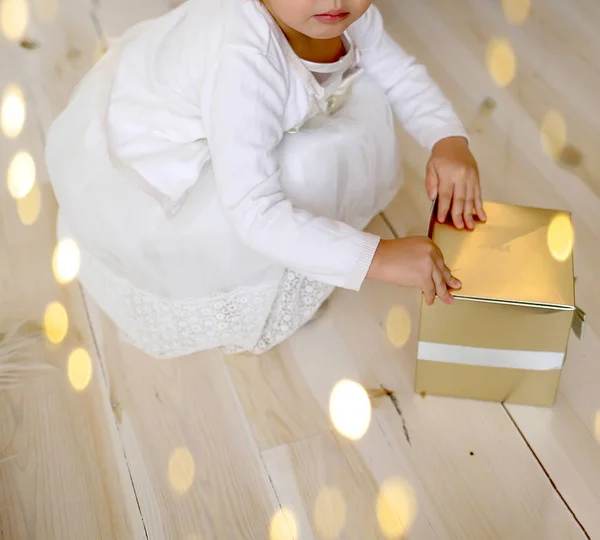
{"x":192,"y":236}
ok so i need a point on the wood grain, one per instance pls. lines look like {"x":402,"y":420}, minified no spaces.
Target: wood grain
{"x":194,"y":464}
{"x":283,"y":410}
{"x":61,"y":473}
{"x":515,"y":168}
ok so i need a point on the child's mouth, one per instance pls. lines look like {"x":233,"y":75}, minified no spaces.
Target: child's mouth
{"x":332,"y":17}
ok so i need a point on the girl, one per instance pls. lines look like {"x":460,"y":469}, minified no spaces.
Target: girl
{"x":217,"y":168}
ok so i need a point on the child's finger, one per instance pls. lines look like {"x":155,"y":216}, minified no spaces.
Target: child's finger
{"x":431,"y":181}
{"x":454,"y":283}
{"x":479,"y":203}
{"x":458,"y":204}
{"x":444,"y":201}
{"x":440,"y":287}
{"x":429,"y":293}
{"x":450,"y":280}
{"x":468,"y":212}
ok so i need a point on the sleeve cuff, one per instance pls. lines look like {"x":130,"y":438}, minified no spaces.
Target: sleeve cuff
{"x":357,"y":277}
{"x":453,"y":130}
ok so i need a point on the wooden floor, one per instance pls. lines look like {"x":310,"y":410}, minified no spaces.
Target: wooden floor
{"x":109,"y":444}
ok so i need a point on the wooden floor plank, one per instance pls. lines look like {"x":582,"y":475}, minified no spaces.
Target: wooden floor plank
{"x":438,"y":435}
{"x":61,"y":475}
{"x":64,"y":46}
{"x":431,"y":439}
{"x":515,"y":168}
{"x":565,"y":439}
{"x":194,"y":464}
{"x":335,"y":502}
{"x":283,"y":411}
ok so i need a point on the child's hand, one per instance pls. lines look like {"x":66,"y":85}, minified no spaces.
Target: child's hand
{"x":414,"y":262}
{"x":453,"y":177}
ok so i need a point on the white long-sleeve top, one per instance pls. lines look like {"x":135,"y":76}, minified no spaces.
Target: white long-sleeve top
{"x":221,"y":84}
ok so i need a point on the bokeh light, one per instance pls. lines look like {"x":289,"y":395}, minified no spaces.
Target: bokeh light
{"x":56,"y":322}
{"x":66,"y":261}
{"x":396,"y":508}
{"x":501,"y":62}
{"x":46,"y":10}
{"x":182,"y":470}
{"x":80,"y":369}
{"x":516,"y":11}
{"x":330,"y":513}
{"x":398,"y":326}
{"x":20,"y":177}
{"x":553,"y":132}
{"x":14,"y":18}
{"x":284,"y":525}
{"x":350,"y":409}
{"x":561,"y":237}
{"x":13,"y":112}
{"x":29,"y":207}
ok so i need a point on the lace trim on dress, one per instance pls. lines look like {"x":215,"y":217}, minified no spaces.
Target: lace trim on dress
{"x":247,"y":319}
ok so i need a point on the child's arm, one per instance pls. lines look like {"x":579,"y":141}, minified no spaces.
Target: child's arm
{"x":418,"y":102}
{"x":245,"y":126}
{"x":426,"y":114}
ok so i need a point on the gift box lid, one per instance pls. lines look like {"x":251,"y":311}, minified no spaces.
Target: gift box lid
{"x":521,"y":255}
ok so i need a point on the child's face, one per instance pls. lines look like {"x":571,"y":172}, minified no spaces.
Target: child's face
{"x":318,"y":19}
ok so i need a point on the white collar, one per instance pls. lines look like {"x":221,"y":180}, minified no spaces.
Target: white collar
{"x":350,"y":59}
{"x":345,"y":62}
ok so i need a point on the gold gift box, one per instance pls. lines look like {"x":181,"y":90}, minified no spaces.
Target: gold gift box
{"x":505,"y":337}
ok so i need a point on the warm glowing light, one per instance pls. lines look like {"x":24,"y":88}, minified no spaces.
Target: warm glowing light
{"x":80,"y":369}
{"x":553,"y":132}
{"x":501,"y":62}
{"x":398,"y":326}
{"x":350,"y":409}
{"x":330,"y":513}
{"x":56,"y":322}
{"x":284,"y":525}
{"x":14,"y":18}
{"x":182,"y":470}
{"x":29,"y":206}
{"x":66,"y":261}
{"x":597,"y":426}
{"x":13,"y":112}
{"x":396,"y":508}
{"x":21,"y":175}
{"x":46,"y":10}
{"x":516,"y":11}
{"x":561,"y":237}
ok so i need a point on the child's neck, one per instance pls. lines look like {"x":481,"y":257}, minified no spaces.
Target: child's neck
{"x":322,"y":51}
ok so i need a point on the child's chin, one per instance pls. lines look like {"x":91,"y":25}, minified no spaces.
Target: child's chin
{"x":320,"y":30}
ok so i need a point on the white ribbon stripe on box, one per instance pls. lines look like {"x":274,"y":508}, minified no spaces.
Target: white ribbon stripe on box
{"x":480,"y":356}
